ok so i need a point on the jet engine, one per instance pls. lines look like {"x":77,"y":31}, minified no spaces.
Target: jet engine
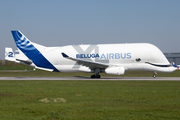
{"x":115,"y":70}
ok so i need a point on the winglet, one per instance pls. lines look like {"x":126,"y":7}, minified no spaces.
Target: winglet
{"x":64,"y":55}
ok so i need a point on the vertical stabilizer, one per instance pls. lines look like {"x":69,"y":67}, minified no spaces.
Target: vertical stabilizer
{"x":32,"y":50}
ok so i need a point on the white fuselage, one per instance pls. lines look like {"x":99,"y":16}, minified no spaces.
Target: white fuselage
{"x":112,"y":59}
{"x":136,"y":56}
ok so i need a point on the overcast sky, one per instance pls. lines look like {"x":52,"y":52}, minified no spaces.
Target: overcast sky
{"x":66,"y":22}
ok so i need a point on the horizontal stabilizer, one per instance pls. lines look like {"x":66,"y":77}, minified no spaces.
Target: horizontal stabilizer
{"x":50,"y":70}
{"x":28,"y":62}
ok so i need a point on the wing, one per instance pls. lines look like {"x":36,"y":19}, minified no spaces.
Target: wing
{"x":87,"y":63}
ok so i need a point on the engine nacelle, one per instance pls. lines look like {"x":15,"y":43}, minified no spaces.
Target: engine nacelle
{"x":115,"y":70}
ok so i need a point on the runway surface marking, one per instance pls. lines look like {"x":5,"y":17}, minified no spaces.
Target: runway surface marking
{"x":87,"y":78}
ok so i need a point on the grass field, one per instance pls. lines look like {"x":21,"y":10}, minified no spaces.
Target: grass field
{"x":89,"y":100}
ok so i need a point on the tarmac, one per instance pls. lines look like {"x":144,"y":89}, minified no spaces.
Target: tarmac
{"x":100,"y":79}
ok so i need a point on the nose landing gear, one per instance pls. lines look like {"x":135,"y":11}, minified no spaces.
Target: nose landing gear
{"x":96,"y":73}
{"x":154,"y":74}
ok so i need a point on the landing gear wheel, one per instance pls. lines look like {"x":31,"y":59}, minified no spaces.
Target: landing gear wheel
{"x":98,"y":76}
{"x":154,"y":75}
{"x":93,"y":76}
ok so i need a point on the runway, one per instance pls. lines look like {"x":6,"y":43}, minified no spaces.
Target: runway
{"x":101,"y":79}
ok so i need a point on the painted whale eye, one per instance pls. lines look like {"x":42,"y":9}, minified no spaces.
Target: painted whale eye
{"x":138,"y":59}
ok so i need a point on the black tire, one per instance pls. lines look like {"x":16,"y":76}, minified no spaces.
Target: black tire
{"x":98,"y":76}
{"x":93,"y":76}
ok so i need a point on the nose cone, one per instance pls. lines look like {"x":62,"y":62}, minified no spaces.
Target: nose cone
{"x":172,"y":68}
{"x":157,"y":55}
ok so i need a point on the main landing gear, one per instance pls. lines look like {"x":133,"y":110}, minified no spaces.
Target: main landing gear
{"x":154,"y":74}
{"x":95,"y":76}
{"x":97,"y":70}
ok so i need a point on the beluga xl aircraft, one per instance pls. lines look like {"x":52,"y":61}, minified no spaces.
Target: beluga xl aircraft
{"x":112,"y":59}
